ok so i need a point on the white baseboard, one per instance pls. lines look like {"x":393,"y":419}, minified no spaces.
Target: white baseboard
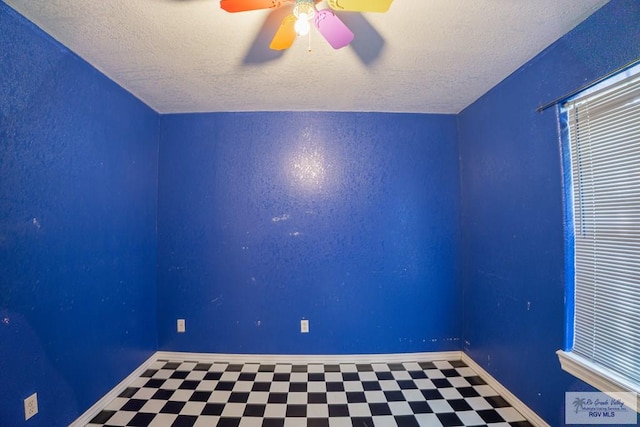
{"x":306,"y":359}
{"x":302,"y":359}
{"x":517,"y":404}
{"x":95,"y":409}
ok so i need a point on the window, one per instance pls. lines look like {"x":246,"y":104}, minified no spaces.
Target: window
{"x":602,"y":133}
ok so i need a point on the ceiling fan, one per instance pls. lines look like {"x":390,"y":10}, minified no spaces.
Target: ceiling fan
{"x":321,"y":13}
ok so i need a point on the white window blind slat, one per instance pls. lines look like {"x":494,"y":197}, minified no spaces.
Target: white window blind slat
{"x":621,"y":155}
{"x":610,"y":116}
{"x":613,"y":127}
{"x":608,"y":94}
{"x":604,"y":134}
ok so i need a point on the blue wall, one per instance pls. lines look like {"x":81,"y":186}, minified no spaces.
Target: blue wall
{"x":348,"y":220}
{"x":78,"y":180}
{"x":513,"y":235}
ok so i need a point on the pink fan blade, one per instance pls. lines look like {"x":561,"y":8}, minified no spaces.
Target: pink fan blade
{"x":333,"y":29}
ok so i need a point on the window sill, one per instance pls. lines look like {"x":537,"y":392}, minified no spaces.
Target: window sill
{"x":601,"y":378}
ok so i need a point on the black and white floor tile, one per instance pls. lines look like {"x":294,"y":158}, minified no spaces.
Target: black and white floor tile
{"x":194,"y":394}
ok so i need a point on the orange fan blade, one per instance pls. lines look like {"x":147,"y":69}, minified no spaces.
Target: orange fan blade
{"x":379,"y":6}
{"x":245,"y":5}
{"x":286,"y":34}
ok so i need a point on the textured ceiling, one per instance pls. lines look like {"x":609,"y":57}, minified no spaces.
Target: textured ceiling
{"x":432,"y":56}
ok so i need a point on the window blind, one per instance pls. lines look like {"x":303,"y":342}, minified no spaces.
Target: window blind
{"x":604,"y":134}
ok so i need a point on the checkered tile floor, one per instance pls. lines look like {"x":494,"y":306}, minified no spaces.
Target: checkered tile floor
{"x":192,"y":394}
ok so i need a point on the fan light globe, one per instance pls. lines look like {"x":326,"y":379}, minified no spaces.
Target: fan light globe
{"x":302,"y":26}
{"x":304,"y":11}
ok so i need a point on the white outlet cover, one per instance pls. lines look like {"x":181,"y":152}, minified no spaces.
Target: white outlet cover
{"x":31,"y":406}
{"x":304,"y":326}
{"x":181,"y":325}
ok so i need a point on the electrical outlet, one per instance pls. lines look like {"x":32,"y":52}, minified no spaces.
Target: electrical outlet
{"x":182,"y":327}
{"x":31,"y":406}
{"x":304,"y":326}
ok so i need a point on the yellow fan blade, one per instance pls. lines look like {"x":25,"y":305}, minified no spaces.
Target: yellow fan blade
{"x":379,"y":6}
{"x":286,"y":34}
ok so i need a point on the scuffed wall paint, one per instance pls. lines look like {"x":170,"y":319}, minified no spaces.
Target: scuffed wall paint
{"x":348,"y":220}
{"x":78,"y":190}
{"x":513,"y":235}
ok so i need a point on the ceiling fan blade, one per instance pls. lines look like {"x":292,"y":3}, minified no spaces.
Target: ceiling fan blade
{"x":246,"y":5}
{"x":332,"y":29}
{"x":379,"y":6}
{"x":286,"y":34}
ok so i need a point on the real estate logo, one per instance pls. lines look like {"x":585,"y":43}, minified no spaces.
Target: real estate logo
{"x":600,"y":408}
